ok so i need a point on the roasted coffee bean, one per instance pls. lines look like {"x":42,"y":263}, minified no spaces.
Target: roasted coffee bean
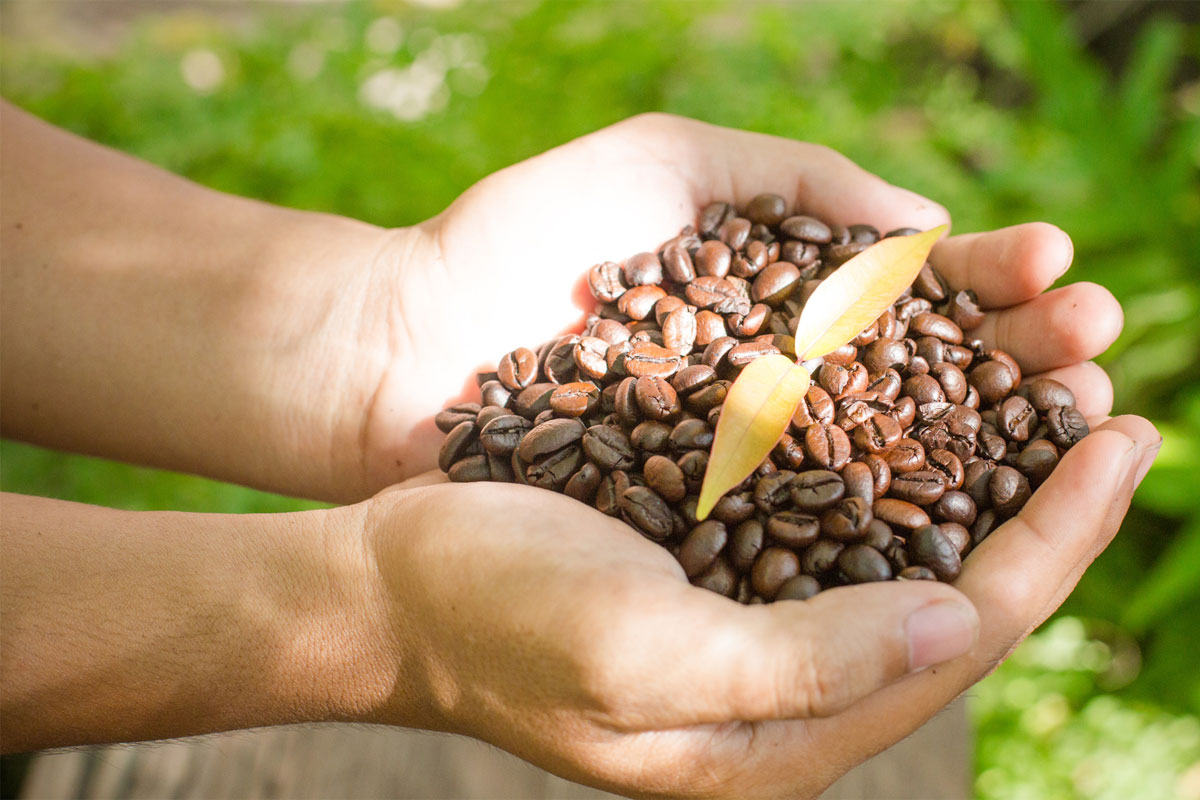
{"x":500,"y":468}
{"x":775,"y":283}
{"x":651,"y":436}
{"x":461,"y":442}
{"x":976,"y":477}
{"x":774,"y":567}
{"x":772,"y":491}
{"x":646,"y":359}
{"x":985,"y":523}
{"x":859,"y":481}
{"x":904,"y":411}
{"x":712,"y":216}
{"x":638,"y":302}
{"x":742,"y":354}
{"x":928,"y":547}
{"x":924,"y":389}
{"x":692,"y":379}
{"x":575,"y":399}
{"x":802,"y":254}
{"x":1009,"y":491}
{"x":495,"y":393}
{"x":735,"y":232}
{"x":929,"y":284}
{"x":793,"y":528}
{"x":1037,"y":461}
{"x":1046,"y":393}
{"x":734,"y":508}
{"x":948,"y":466}
{"x":930,"y":324}
{"x":489,"y":413}
{"x":745,"y":544}
{"x":483,"y":377}
{"x":899,"y":513}
{"x":750,"y":324}
{"x":589,"y":355}
{"x":816,"y":407}
{"x":710,"y":328}
{"x":691,"y":434}
{"x":609,"y":448}
{"x":502,"y":435}
{"x":884,"y":354}
{"x":881,"y":473}
{"x":916,"y":574}
{"x":1016,"y":418}
{"x":964,"y":310}
{"x":820,"y":557}
{"x":643,"y":269}
{"x":693,"y":464}
{"x":583,"y":484}
{"x":766,"y":209}
{"x":549,"y":437}
{"x":470,"y":469}
{"x":519,"y":468}
{"x":848,"y":520}
{"x":952,"y":380}
{"x":719,"y":578}
{"x":665,"y":477}
{"x":834,"y":379}
{"x":554,"y":470}
{"x":677,"y":263}
{"x":533,"y":399}
{"x":801,"y":587}
{"x":877,"y":434}
{"x":788,"y":453}
{"x":921,"y":487}
{"x":807,"y":229}
{"x":955,"y":507}
{"x":448,"y":419}
{"x":605,"y":282}
{"x":679,"y":330}
{"x":655,"y":398}
{"x":879,"y":535}
{"x":827,"y":446}
{"x":957,"y":535}
{"x":646,"y":511}
{"x":816,"y":490}
{"x":712,"y":259}
{"x":993,"y":380}
{"x":907,"y":455}
{"x":931,"y":349}
{"x":701,"y":547}
{"x":991,"y":446}
{"x":863,"y":564}
{"x":610,"y":331}
{"x":708,"y":398}
{"x":518,"y":369}
{"x":1067,"y":426}
{"x":713,"y":293}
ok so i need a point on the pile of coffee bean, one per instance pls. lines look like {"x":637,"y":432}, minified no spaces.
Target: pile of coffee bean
{"x":912,"y":444}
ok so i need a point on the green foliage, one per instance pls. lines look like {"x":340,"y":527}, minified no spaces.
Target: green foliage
{"x":994,"y":109}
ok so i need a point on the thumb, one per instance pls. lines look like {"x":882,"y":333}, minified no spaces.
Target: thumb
{"x":792,"y":660}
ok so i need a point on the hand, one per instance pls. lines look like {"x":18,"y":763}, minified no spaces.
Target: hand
{"x":561,"y":635}
{"x":503,"y":266}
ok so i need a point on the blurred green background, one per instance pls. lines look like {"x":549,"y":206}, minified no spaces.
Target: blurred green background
{"x":1083,"y":114}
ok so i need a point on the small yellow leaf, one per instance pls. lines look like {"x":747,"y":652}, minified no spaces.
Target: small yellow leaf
{"x":756,"y":413}
{"x":859,"y":291}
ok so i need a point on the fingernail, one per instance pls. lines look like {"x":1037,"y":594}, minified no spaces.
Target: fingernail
{"x":1148,"y":454}
{"x":939,"y":632}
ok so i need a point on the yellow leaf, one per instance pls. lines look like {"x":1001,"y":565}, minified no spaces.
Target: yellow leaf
{"x":859,"y":291}
{"x":755,"y":414}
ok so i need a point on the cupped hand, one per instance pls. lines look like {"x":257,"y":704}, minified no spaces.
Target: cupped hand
{"x":533,"y":622}
{"x":502,"y":267}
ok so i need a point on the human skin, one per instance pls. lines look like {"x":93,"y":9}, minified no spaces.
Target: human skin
{"x":148,"y":319}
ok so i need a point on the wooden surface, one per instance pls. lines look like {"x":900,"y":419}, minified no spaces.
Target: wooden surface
{"x":341,"y":761}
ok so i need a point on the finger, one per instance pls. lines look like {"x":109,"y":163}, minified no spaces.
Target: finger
{"x":1090,"y":384}
{"x":816,"y":179}
{"x":1015,"y":579}
{"x":1005,"y":266}
{"x":789,"y":659}
{"x":1056,"y":329}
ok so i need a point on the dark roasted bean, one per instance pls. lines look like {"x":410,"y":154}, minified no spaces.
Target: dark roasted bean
{"x":877,"y":434}
{"x":518,"y":369}
{"x":883,"y":354}
{"x":495,"y":393}
{"x":702,"y":546}
{"x":816,"y":490}
{"x":534,"y":399}
{"x":928,"y":547}
{"x":1038,"y":460}
{"x":775,"y":283}
{"x":742,"y":354}
{"x":985,"y":523}
{"x":859,"y":481}
{"x":665,"y":477}
{"x":575,"y":399}
{"x":916,"y":574}
{"x":734,"y":508}
{"x":1009,"y":490}
{"x":745,"y":544}
{"x":772,"y":492}
{"x":1067,"y":426}
{"x":801,"y":587}
{"x":863,"y":564}
{"x":879,"y":535}
{"x":502,"y":435}
{"x":820,"y":557}
{"x":958,"y":536}
{"x":899,"y":513}
{"x":554,"y":470}
{"x":583,"y":484}
{"x":848,"y":520}
{"x":806,"y":228}
{"x":921,"y":487}
{"x":993,"y":380}
{"x":816,"y":407}
{"x":643,"y":269}
{"x":655,"y":398}
{"x":881,"y":473}
{"x":1046,"y":393}
{"x":605,"y":282}
{"x":447,"y":419}
{"x":639,"y":301}
{"x":773,"y":567}
{"x":907,"y":455}
{"x":827,"y":446}
{"x":470,"y":469}
{"x":651,"y":436}
{"x":647,"y":359}
{"x":713,"y":259}
{"x":549,"y":437}
{"x":691,"y":434}
{"x":646,"y":511}
{"x":955,"y":507}
{"x":793,"y":528}
{"x":461,"y":442}
{"x":693,"y":464}
{"x":609,"y":448}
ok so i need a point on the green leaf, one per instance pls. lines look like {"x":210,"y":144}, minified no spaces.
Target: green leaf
{"x":1174,"y":579}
